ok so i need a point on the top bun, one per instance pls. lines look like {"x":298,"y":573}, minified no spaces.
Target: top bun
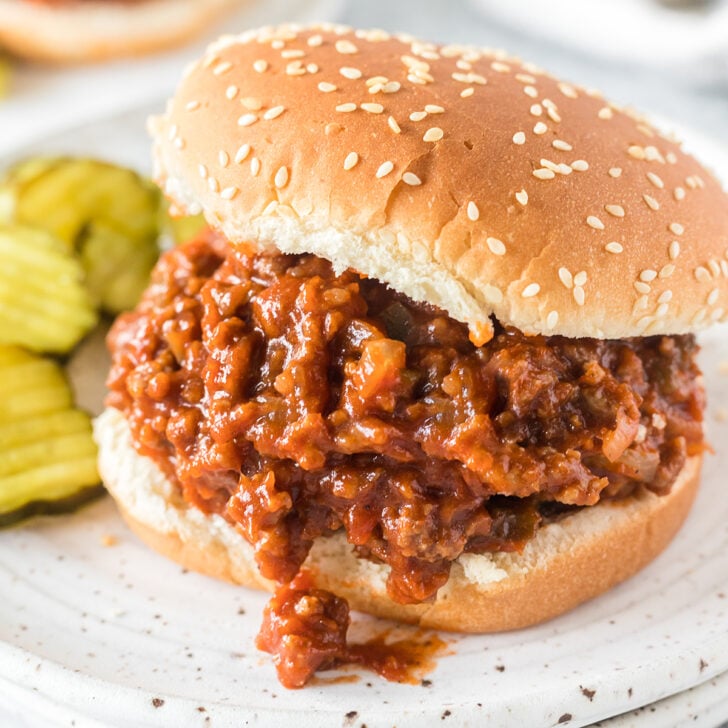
{"x":457,"y":175}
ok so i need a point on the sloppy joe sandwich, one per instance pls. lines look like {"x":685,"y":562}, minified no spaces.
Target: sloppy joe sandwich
{"x":91,"y":30}
{"x":437,"y":348}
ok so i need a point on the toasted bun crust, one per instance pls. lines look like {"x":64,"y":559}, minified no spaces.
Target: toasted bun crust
{"x":457,"y":175}
{"x":564,"y":565}
{"x":100,"y":29}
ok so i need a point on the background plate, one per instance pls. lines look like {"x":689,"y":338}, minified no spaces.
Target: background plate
{"x":96,"y":629}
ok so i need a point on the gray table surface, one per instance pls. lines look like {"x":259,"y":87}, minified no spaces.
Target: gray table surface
{"x":703,"y":107}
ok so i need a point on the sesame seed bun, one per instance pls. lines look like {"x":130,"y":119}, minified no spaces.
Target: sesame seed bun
{"x":94,"y":30}
{"x":565,"y":564}
{"x":459,"y":176}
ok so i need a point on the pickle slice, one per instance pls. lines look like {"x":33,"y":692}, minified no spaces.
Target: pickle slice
{"x":47,"y":452}
{"x":109,"y":215}
{"x":44,"y":305}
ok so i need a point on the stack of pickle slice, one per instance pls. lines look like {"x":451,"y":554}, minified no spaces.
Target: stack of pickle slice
{"x":78,"y":239}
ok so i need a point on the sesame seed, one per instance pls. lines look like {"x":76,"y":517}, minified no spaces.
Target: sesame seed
{"x":667,"y":270}
{"x":393,"y":125}
{"x":384,"y":169}
{"x":314,"y":41}
{"x":260,"y":66}
{"x":651,"y":202}
{"x":497,"y":247}
{"x":702,"y":274}
{"x":580,"y":278}
{"x":326,"y":87}
{"x":252,"y":103}
{"x":613,"y":248}
{"x":713,"y":297}
{"x":655,"y":180}
{"x":530,"y":290}
{"x":312,"y":68}
{"x":231,"y":92}
{"x":192,"y":105}
{"x":580,"y":165}
{"x":674,"y":250}
{"x":595,"y":222}
{"x":281,"y":178}
{"x":605,"y":113}
{"x":293,"y":53}
{"x":652,"y":154}
{"x":671,"y":157}
{"x":536,"y":110}
{"x":473,"y":211}
{"x":346,"y":107}
{"x":277,"y":44}
{"x":434,"y":109}
{"x":223,"y":158}
{"x":543,"y":174}
{"x":648,"y":275}
{"x":540,"y":128}
{"x":661,"y":310}
{"x":553,"y":114}
{"x":202,"y":170}
{"x":213,"y":184}
{"x":295,"y":68}
{"x":615,"y":172}
{"x":179,"y":143}
{"x":391,"y":87}
{"x":418,"y":115}
{"x":500,"y":67}
{"x":467,"y":92}
{"x":530,"y":91}
{"x":221,"y":68}
{"x":372,"y":108}
{"x":247,"y":119}
{"x":228,"y":193}
{"x":568,"y":90}
{"x":434,"y":134}
{"x":714,"y":267}
{"x":665,"y":297}
{"x":463,"y":65}
{"x":565,"y":277}
{"x":561,"y":145}
{"x":351,"y":159}
{"x":346,"y":47}
{"x":350,"y":73}
{"x":679,"y":194}
{"x":522,"y":197}
{"x":636,"y":152}
{"x":172,"y":132}
{"x":676,"y":228}
{"x":525,"y":78}
{"x":519,"y":137}
{"x":411,"y":179}
{"x":274,"y":112}
{"x":615,"y":210}
{"x":242,"y":153}
{"x":548,"y":164}
{"x":579,"y":295}
{"x":552,"y":319}
{"x":642,"y":287}
{"x":254,"y":166}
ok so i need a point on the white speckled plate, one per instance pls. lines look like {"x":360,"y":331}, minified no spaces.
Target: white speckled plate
{"x":92,"y":633}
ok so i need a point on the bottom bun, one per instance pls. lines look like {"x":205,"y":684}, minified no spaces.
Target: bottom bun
{"x":98,"y":30}
{"x":566,"y":563}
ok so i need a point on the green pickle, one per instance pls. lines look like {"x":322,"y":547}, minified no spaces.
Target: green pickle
{"x":106,"y":214}
{"x":44,"y":304}
{"x":47,"y":452}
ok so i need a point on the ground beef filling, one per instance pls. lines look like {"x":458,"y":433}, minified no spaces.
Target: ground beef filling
{"x":296,"y":402}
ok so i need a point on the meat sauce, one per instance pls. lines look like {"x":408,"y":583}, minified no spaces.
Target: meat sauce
{"x":305,"y":629}
{"x":296,"y":402}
